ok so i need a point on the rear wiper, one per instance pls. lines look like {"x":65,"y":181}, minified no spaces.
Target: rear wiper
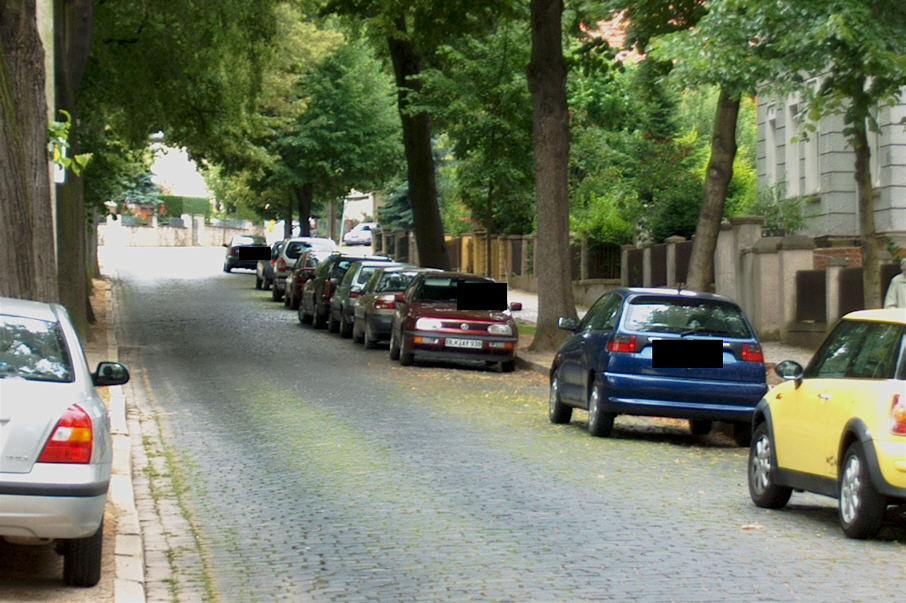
{"x":707,"y":330}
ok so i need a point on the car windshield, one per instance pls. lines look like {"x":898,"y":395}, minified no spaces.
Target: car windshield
{"x":322,"y":244}
{"x":687,"y":317}
{"x":33,"y":349}
{"x":858,"y":350}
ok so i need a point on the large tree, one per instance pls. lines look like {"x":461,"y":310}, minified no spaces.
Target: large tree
{"x":550,"y":142}
{"x":479,"y":93}
{"x":72,"y":37}
{"x":26,"y":216}
{"x":187,"y":68}
{"x":411,"y":31}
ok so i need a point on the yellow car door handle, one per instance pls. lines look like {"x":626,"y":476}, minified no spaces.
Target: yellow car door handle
{"x":825,"y":396}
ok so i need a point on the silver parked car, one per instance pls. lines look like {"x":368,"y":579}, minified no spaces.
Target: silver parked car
{"x":55,"y":444}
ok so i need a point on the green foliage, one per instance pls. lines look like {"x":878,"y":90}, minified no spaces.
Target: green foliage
{"x":118,"y":170}
{"x":480,"y":97}
{"x":141,"y":191}
{"x":191,"y":69}
{"x":396,"y":214}
{"x":856,"y":48}
{"x":631,"y":175}
{"x":58,"y":136}
{"x":782,"y":216}
{"x":175,"y":206}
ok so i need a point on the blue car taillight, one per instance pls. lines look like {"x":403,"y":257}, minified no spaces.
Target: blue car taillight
{"x":623,"y":344}
{"x":752,"y":353}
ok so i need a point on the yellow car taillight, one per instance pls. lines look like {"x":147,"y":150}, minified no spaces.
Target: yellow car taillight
{"x":898,"y":415}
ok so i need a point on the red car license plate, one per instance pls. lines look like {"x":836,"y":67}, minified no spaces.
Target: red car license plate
{"x":463,"y":343}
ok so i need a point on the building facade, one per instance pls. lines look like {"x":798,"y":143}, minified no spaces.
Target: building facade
{"x":818,"y":166}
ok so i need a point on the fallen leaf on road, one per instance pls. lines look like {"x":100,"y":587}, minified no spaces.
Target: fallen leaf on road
{"x":753,"y":526}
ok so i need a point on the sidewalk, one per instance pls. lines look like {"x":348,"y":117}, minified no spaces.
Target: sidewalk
{"x":128,"y":549}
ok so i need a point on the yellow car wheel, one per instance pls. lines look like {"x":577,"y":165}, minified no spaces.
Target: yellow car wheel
{"x":764,"y":492}
{"x":861,"y":506}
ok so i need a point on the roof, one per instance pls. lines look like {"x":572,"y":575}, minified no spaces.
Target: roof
{"x":672,"y":292}
{"x":29,"y":309}
{"x":895,"y":315}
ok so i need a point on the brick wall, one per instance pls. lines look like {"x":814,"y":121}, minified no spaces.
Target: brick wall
{"x":852,"y":255}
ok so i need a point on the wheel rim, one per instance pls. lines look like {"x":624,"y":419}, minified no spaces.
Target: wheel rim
{"x":761,"y":464}
{"x":850,"y":486}
{"x":554,"y":396}
{"x":593,"y":405}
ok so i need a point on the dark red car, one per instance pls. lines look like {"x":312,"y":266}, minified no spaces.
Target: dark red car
{"x":454,"y":316}
{"x":303,"y":269}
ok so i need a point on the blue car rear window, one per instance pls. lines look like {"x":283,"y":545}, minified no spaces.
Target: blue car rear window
{"x":688,"y":317}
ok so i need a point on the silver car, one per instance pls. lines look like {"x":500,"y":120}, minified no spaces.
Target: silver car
{"x":55,"y":443}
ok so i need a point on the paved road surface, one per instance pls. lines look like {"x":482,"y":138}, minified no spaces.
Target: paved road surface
{"x":312,"y":469}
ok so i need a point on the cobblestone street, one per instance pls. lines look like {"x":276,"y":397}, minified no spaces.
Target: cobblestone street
{"x":285,"y":463}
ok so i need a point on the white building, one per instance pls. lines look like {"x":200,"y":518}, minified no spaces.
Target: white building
{"x":819,"y":167}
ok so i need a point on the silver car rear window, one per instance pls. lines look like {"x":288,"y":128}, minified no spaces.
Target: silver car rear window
{"x":33,"y":349}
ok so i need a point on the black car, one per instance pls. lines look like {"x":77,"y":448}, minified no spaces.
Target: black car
{"x":314,"y":307}
{"x":244,"y":251}
{"x":264,"y":271}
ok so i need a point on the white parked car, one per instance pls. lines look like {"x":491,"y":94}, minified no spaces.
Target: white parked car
{"x":360,"y":234}
{"x":55,"y":445}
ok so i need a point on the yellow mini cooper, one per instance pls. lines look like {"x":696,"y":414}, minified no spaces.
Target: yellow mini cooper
{"x":838,"y":427}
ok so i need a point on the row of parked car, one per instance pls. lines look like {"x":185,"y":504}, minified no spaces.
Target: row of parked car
{"x":425,"y":313}
{"x":836,"y":427}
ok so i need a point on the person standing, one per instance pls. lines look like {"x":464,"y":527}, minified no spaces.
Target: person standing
{"x":896,"y":292}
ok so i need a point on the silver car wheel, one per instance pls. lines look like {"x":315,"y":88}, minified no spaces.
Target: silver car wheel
{"x":850,"y":487}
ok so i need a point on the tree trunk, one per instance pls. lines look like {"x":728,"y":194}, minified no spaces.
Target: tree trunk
{"x":72,"y":37}
{"x":550,"y":142}
{"x":429,"y":231}
{"x":871,"y":276}
{"x":94,"y":268}
{"x":288,"y":220}
{"x":304,"y":198}
{"x":27,"y":251}
{"x":720,"y":172}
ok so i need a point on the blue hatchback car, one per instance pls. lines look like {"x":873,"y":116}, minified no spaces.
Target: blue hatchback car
{"x":659,"y":352}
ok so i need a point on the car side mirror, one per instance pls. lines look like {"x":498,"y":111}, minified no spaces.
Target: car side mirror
{"x":567,"y":324}
{"x":515,"y":306}
{"x":789,"y":370}
{"x":110,"y":373}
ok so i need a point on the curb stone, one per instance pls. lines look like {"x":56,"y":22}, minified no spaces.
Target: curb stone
{"x":129,"y":582}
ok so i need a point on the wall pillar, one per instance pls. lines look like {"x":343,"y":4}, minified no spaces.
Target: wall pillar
{"x":834,"y":269}
{"x":624,"y":265}
{"x":671,"y":259}
{"x":746,"y":233}
{"x":727,"y":262}
{"x":646,"y":266}
{"x":796,"y":253}
{"x":766,"y":313}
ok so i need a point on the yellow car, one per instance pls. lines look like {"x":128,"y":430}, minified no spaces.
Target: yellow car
{"x":838,"y":427}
